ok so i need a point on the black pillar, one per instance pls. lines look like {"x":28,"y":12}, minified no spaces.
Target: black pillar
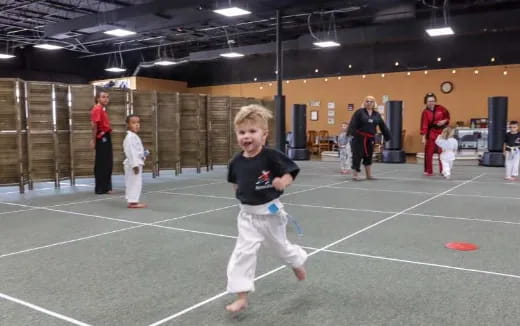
{"x":497,"y":128}
{"x":279,"y":99}
{"x":298,"y":145}
{"x":393,"y":152}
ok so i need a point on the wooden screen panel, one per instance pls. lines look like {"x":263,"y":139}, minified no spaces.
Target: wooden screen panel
{"x":203,"y":131}
{"x":81,"y":103}
{"x":271,"y":138}
{"x":143,"y":104}
{"x":219,"y":121}
{"x":235,"y":104}
{"x":117,"y":110}
{"x":13,"y":161}
{"x":61,"y":99}
{"x":190,"y":130}
{"x":40,"y":126}
{"x":168,"y":117}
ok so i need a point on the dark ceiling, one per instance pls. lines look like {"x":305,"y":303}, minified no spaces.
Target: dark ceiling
{"x":190,"y":30}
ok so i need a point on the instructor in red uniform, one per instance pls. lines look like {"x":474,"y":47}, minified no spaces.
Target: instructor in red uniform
{"x":102,"y":142}
{"x":433,"y":120}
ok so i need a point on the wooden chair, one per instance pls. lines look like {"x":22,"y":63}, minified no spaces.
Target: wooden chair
{"x":312,"y":141}
{"x":324,"y":143}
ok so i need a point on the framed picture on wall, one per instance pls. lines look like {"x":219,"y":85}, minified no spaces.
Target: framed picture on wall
{"x":314,"y":115}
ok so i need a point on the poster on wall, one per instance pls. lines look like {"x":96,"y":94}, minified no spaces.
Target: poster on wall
{"x":350,"y":107}
{"x":331,"y":105}
{"x":122,"y":83}
{"x":385,"y":99}
{"x":314,"y":103}
{"x":331,"y":113}
{"x":381,"y":109}
{"x":331,"y":121}
{"x":314,"y":115}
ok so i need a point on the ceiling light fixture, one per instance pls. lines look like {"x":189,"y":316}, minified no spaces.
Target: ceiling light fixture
{"x":115,"y":69}
{"x":232,"y":12}
{"x":232,"y":55}
{"x":47,"y":46}
{"x":326,"y":44}
{"x":439,"y":59}
{"x":6,"y":56}
{"x":164,"y":62}
{"x":454,"y":71}
{"x":440,"y":31}
{"x":119,"y":32}
{"x":396,"y":63}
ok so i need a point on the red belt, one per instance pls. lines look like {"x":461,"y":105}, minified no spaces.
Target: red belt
{"x":366,"y":136}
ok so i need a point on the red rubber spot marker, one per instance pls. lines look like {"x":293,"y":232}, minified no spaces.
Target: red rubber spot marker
{"x":462,"y":246}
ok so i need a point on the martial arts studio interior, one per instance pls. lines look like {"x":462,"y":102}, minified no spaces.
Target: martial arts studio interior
{"x":235,"y":162}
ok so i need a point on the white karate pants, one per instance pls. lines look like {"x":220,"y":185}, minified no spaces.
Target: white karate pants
{"x":133,"y":184}
{"x":253,"y":231}
{"x":345,"y":157}
{"x":447,"y":165}
{"x":512,"y":164}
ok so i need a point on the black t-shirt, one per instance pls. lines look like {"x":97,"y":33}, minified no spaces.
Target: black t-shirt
{"x":254,"y":175}
{"x":512,"y":140}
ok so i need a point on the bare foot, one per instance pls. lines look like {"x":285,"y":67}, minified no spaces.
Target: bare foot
{"x":239,"y":305}
{"x":136,"y":205}
{"x":300,"y":273}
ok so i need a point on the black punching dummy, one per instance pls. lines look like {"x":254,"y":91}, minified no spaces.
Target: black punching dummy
{"x":497,"y":128}
{"x":393,"y":152}
{"x":298,"y":146}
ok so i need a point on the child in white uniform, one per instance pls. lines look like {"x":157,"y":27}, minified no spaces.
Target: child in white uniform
{"x":259,"y":175}
{"x":512,"y":151}
{"x":345,"y":152}
{"x":449,"y":146}
{"x":134,"y":162}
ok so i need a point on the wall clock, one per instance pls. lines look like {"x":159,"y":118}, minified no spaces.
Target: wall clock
{"x":447,"y":87}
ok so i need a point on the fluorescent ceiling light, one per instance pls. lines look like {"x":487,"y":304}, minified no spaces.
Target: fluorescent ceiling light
{"x":164,"y":62}
{"x":115,"y":69}
{"x":326,"y":44}
{"x":232,"y":12}
{"x":440,"y":31}
{"x":231,"y":55}
{"x":6,"y":56}
{"x":47,"y":46}
{"x":119,"y":32}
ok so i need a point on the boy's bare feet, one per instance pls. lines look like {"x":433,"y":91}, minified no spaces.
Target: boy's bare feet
{"x":300,"y":273}
{"x":239,"y":304}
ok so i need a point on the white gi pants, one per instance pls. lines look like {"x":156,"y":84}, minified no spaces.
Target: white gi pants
{"x":512,"y":164}
{"x":255,"y":230}
{"x":133,"y":184}
{"x":447,"y":158}
{"x":345,"y":157}
{"x":447,"y":165}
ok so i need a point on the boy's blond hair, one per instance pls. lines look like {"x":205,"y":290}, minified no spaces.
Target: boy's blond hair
{"x":253,"y":113}
{"x":447,"y":132}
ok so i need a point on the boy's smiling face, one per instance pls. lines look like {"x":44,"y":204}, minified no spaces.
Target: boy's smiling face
{"x":251,"y":137}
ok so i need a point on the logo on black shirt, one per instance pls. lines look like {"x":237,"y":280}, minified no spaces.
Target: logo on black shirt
{"x":264,"y":181}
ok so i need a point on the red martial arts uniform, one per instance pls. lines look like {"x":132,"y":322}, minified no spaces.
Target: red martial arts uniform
{"x":430,"y":129}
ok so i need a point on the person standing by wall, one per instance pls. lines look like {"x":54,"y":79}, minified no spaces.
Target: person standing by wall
{"x":434,"y":119}
{"x":102,"y":143}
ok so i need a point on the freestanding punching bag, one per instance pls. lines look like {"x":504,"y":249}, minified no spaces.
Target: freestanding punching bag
{"x":497,"y":128}
{"x":393,"y":152}
{"x":298,"y":145}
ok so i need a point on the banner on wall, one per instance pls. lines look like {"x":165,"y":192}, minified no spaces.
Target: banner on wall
{"x":122,"y":83}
